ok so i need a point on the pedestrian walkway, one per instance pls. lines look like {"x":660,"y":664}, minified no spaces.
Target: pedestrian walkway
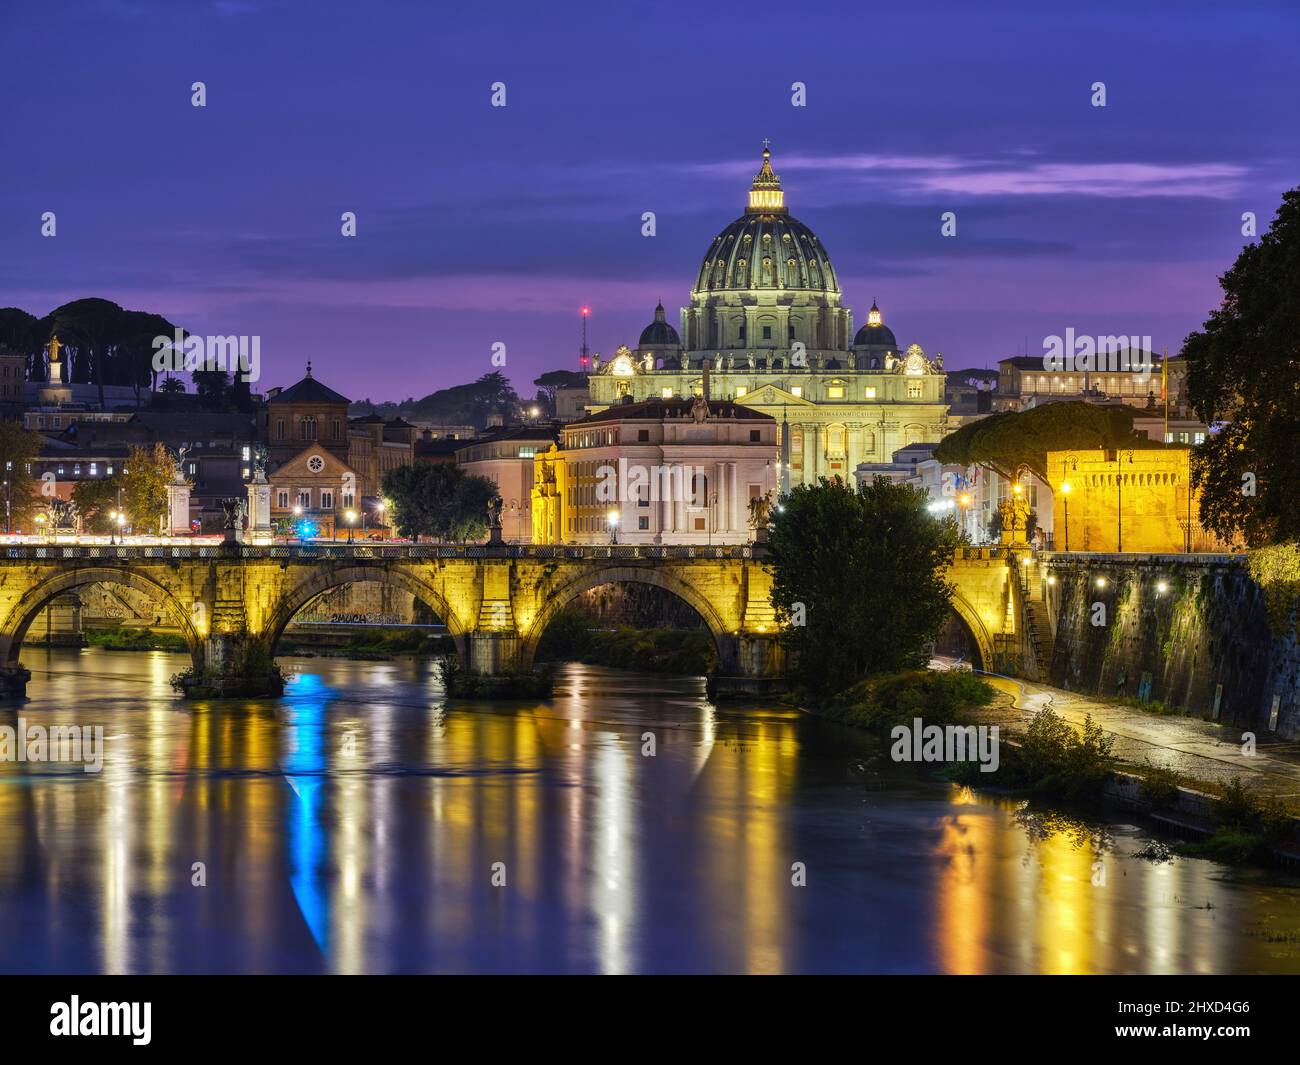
{"x":1202,"y":750}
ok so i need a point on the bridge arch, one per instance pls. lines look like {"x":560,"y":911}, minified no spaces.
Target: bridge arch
{"x":322,"y":580}
{"x":559,"y":598}
{"x":978,"y":630}
{"x":14,"y":628}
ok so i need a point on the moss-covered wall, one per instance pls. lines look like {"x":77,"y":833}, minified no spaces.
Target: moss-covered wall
{"x":1191,"y":625}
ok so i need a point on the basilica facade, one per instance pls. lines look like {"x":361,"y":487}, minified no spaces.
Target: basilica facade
{"x":767,"y":321}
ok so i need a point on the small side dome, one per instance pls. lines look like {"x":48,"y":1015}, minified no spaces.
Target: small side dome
{"x":875,"y":334}
{"x":659,"y":334}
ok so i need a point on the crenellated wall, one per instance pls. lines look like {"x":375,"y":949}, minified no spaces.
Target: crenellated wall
{"x":1193,"y":623}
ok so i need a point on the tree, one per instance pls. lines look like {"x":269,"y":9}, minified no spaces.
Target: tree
{"x":858,"y":579}
{"x":438,"y":500}
{"x":1243,"y":368}
{"x":470,"y":404}
{"x":149,"y":470}
{"x":96,"y":501}
{"x":1020,"y":440}
{"x":552,"y":381}
{"x":19,"y":448}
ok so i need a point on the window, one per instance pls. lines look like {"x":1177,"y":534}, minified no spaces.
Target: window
{"x":871,"y":392}
{"x":246,"y":453}
{"x":755,"y":436}
{"x":337,"y":429}
{"x":741,"y":391}
{"x":755,"y":491}
{"x":60,"y":471}
{"x":347,"y":499}
{"x":767,"y":332}
{"x":279,"y":428}
{"x":304,"y":500}
{"x":282,"y":499}
{"x":835,"y":392}
{"x":1200,"y":438}
{"x":58,"y":421}
{"x":109,"y":469}
{"x":643,"y":523}
{"x":527,"y":451}
{"x":307,"y":428}
{"x":913,"y":391}
{"x":76,"y":468}
{"x":797,"y":390}
{"x":699,"y":524}
{"x":667,"y":392}
{"x":94,"y":469}
{"x":326,"y":499}
{"x":643,"y":436}
{"x":192,"y":468}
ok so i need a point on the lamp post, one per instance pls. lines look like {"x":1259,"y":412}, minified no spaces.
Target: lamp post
{"x":351,"y":518}
{"x":40,"y":525}
{"x":612,"y":518}
{"x":1065,"y":493}
{"x":380,"y":507}
{"x":1017,"y":490}
{"x":1119,"y":503}
{"x":965,"y":500}
{"x":112,"y":527}
{"x":9,"y":496}
{"x":121,"y":521}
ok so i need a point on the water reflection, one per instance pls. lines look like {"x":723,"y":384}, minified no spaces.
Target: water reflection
{"x":358,"y":825}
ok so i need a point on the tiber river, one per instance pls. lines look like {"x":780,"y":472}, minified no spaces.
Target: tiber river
{"x":358,"y":825}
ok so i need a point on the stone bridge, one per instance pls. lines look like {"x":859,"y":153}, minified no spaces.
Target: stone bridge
{"x":230,"y":600}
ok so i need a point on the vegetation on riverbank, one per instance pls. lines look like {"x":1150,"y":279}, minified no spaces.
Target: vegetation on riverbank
{"x":370,"y":642}
{"x":570,"y":637}
{"x":117,"y":638}
{"x":462,"y":684}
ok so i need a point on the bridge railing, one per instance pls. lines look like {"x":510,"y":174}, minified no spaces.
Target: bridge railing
{"x":369,"y":551}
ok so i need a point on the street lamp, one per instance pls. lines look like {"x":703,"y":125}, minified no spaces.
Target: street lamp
{"x":351,"y":517}
{"x":121,"y":521}
{"x":40,"y":524}
{"x":1017,"y":490}
{"x":1065,"y":494}
{"x":112,"y":527}
{"x":1119,"y":503}
{"x":9,"y":496}
{"x":965,"y":500}
{"x":612,"y":518}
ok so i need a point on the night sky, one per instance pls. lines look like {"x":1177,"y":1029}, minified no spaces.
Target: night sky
{"x":479,"y":224}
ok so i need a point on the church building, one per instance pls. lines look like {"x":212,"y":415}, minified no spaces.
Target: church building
{"x":766,"y":318}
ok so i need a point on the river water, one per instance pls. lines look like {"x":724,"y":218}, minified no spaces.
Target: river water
{"x":358,"y":825}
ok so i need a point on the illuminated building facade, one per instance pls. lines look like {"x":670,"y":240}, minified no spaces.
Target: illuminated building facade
{"x":767,"y":320}
{"x":666,"y":471}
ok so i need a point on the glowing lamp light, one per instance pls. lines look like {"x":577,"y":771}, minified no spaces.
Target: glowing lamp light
{"x":1051,"y":580}
{"x":1161,"y":587}
{"x":612,"y":517}
{"x":965,"y":500}
{"x":1019,"y":489}
{"x":1065,"y":487}
{"x":1101,"y":582}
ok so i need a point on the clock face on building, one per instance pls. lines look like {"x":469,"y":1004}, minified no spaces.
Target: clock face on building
{"x":315,"y":464}
{"x":915,"y":365}
{"x":622,"y":367}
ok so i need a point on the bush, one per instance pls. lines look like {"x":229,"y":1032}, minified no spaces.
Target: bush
{"x":939,"y":698}
{"x":1053,"y":759}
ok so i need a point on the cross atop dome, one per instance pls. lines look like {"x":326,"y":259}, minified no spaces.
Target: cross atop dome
{"x":765,"y":195}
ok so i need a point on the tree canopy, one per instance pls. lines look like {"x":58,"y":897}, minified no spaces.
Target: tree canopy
{"x":439,"y":500}
{"x":470,"y":404}
{"x":894,"y":600}
{"x":1020,"y":440}
{"x":1243,"y":367}
{"x":19,"y":447}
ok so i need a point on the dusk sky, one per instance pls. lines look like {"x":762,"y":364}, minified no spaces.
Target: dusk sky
{"x":479,"y":224}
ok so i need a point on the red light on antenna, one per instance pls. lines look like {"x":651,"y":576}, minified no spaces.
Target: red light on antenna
{"x":586,"y":311}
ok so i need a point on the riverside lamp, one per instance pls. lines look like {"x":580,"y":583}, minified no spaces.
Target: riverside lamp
{"x":1065,"y":495}
{"x":350,"y":517}
{"x":612,"y":518}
